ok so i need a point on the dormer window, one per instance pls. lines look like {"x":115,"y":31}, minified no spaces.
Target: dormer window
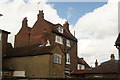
{"x":81,"y":67}
{"x":67,"y":42}
{"x":59,"y":39}
{"x":59,"y":28}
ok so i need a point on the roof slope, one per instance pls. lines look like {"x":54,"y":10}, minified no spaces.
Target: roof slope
{"x":108,"y":67}
{"x":65,"y":33}
{"x":79,"y":71}
{"x":30,"y":51}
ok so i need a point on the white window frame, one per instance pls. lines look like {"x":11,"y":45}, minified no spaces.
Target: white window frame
{"x":60,"y":29}
{"x":67,"y":58}
{"x":58,"y":39}
{"x":57,"y":58}
{"x":68,"y":43}
{"x":80,"y":67}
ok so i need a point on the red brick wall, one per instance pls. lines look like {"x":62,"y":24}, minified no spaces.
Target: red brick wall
{"x":39,"y":32}
{"x":22,"y":38}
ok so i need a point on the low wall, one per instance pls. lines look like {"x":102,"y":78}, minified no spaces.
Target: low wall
{"x":64,"y":79}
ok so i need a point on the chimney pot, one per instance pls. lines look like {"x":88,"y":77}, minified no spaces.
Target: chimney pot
{"x":96,"y":63}
{"x":66,"y":25}
{"x":40,"y":11}
{"x":112,"y":57}
{"x":41,"y":14}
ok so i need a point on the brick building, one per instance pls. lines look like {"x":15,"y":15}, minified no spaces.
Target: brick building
{"x":82,"y":68}
{"x":35,"y":62}
{"x":107,"y":69}
{"x":35,"y":41}
{"x":4,"y":47}
{"x":3,"y":41}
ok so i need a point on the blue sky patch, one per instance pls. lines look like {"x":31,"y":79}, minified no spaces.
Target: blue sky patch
{"x":72,"y":11}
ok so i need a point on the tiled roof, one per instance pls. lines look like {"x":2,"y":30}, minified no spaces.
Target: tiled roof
{"x":80,"y":71}
{"x":65,"y":33}
{"x":110,"y":66}
{"x":29,"y":51}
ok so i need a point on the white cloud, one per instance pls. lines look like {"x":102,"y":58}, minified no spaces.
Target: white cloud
{"x":97,"y":32}
{"x":14,"y":11}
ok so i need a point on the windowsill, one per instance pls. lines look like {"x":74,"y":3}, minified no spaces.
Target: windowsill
{"x":58,"y":63}
{"x":80,"y":69}
{"x":59,"y":42}
{"x":68,"y":46}
{"x":68,"y":63}
{"x":60,"y":32}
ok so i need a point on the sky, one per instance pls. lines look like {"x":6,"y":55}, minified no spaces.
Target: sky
{"x":95,"y":22}
{"x":74,"y":10}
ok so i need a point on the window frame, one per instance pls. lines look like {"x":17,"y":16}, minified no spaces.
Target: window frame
{"x":68,"y":43}
{"x":80,"y":67}
{"x":67,"y":58}
{"x":58,"y":39}
{"x":57,"y":58}
{"x":59,"y":28}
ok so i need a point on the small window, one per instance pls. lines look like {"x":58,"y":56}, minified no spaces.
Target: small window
{"x":59,"y":28}
{"x":78,"y":67}
{"x":59,"y":40}
{"x":81,"y":67}
{"x":57,"y":58}
{"x":67,"y":58}
{"x":67,"y":42}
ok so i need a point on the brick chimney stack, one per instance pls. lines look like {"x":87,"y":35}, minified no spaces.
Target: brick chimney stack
{"x":24,"y":22}
{"x":112,"y":57}
{"x":66,"y":25}
{"x":41,"y":14}
{"x":96,"y":63}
